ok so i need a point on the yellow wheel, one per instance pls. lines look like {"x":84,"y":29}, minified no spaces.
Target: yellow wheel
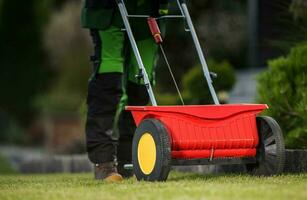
{"x":151,"y":151}
{"x":147,"y":153}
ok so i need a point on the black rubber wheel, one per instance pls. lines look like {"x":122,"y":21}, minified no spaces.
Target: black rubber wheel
{"x":271,"y":150}
{"x":151,"y":151}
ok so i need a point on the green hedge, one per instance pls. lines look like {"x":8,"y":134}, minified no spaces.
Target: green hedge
{"x":284,"y":88}
{"x":195,"y":88}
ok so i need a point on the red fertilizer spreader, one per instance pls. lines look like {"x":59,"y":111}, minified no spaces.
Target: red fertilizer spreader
{"x":202,"y":134}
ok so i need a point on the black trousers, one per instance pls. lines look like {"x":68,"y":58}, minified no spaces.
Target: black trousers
{"x":104,"y":93}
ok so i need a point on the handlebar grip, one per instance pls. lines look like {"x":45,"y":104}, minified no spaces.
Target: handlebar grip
{"x":155,"y":30}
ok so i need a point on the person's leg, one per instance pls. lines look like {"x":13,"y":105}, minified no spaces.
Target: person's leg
{"x":104,"y":94}
{"x":135,"y":92}
{"x":126,"y":126}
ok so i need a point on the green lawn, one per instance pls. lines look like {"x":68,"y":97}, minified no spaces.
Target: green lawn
{"x":179,"y":186}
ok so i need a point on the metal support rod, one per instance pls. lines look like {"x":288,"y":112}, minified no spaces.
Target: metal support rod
{"x":138,"y":16}
{"x":124,"y":15}
{"x":186,"y":13}
{"x":171,"y":17}
{"x":162,"y":17}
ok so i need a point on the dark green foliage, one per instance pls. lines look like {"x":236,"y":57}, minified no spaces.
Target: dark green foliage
{"x":22,"y":72}
{"x":68,"y":48}
{"x":298,"y":8}
{"x":195,"y":86}
{"x":222,"y":30}
{"x":284,"y":88}
{"x":167,"y":98}
{"x":293,"y":26}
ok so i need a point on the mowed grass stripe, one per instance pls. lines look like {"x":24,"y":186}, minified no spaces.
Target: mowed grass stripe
{"x":178,"y":186}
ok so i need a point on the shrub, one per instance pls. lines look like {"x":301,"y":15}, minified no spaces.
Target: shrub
{"x":23,"y":72}
{"x":284,"y":88}
{"x":167,"y":98}
{"x":298,"y":8}
{"x":68,"y":49}
{"x":194,"y":83}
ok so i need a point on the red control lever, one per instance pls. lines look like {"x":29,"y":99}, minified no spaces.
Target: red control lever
{"x":155,"y":31}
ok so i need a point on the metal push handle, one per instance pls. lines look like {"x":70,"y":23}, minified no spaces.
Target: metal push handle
{"x":124,"y":14}
{"x":185,"y":12}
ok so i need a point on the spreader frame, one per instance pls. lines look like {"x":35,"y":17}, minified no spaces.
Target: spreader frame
{"x":184,"y":15}
{"x":198,"y":135}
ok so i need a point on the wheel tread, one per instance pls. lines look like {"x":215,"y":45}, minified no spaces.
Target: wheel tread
{"x":266,"y":166}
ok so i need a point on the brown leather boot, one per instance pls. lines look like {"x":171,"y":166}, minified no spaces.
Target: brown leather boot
{"x":107,"y":172}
